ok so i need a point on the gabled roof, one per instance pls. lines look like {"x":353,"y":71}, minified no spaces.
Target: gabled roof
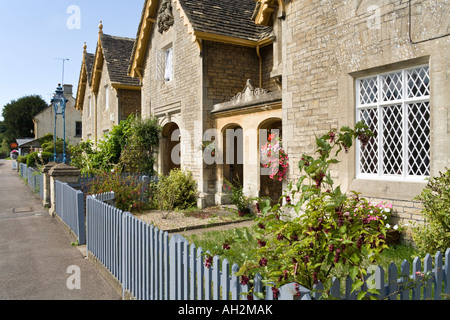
{"x":85,"y":77}
{"x":227,"y":21}
{"x":231,"y":18}
{"x":115,"y":51}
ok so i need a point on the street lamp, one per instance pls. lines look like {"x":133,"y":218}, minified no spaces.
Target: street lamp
{"x":59,"y":106}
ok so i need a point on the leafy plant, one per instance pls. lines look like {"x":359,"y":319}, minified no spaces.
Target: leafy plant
{"x":178,"y":190}
{"x":128,"y":147}
{"x":129,"y":194}
{"x":434,"y":234}
{"x":36,"y":159}
{"x":237,"y":196}
{"x":137,"y":154}
{"x":315,"y":229}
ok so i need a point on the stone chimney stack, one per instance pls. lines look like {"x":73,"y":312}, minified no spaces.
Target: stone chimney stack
{"x":68,"y":90}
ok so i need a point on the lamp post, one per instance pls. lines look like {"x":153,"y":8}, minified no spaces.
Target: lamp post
{"x":59,"y":106}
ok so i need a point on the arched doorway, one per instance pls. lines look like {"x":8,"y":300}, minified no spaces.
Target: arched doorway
{"x":233,"y":154}
{"x":269,"y":187}
{"x":170,"y":148}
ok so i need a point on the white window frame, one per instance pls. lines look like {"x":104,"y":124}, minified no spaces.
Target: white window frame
{"x":89,"y":107}
{"x":379,"y":104}
{"x":165,"y":64}
{"x":168,"y":64}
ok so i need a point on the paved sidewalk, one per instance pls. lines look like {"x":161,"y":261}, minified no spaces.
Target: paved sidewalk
{"x":36,"y":250}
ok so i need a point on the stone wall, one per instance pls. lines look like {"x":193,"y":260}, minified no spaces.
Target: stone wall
{"x":87,"y":116}
{"x":106,"y":113}
{"x":227,"y":69}
{"x":129,"y":102}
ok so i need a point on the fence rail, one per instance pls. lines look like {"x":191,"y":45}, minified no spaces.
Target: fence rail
{"x":69,"y":206}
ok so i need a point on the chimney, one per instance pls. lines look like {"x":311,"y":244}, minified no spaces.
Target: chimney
{"x":67,"y":89}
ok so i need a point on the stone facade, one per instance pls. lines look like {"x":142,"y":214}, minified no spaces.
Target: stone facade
{"x":206,"y":72}
{"x":327,"y":45}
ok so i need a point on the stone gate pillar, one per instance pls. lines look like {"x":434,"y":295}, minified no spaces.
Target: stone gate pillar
{"x":64,"y":173}
{"x":46,"y":183}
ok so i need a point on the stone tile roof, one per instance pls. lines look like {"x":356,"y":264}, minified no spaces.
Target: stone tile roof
{"x":117,"y":52}
{"x":89,"y":59}
{"x":231,"y":18}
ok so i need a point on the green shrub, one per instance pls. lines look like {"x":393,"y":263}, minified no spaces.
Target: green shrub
{"x":434,"y":234}
{"x":128,"y":147}
{"x":22,"y":159}
{"x":128,"y":192}
{"x":137,"y":153}
{"x":178,"y":190}
{"x":36,"y":159}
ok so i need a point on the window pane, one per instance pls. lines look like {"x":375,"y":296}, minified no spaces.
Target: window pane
{"x":168,"y":65}
{"x":368,"y":90}
{"x":396,"y":108}
{"x":391,"y":85}
{"x":369,"y":152}
{"x":419,"y":139}
{"x":418,"y":82}
{"x":392,"y":139}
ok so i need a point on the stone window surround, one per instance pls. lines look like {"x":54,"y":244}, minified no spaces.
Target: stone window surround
{"x":387,"y":189}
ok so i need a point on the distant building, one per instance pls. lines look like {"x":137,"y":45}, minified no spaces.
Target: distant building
{"x":44,"y":121}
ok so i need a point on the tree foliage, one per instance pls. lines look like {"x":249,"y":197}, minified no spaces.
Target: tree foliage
{"x":18,"y":116}
{"x":128,"y":147}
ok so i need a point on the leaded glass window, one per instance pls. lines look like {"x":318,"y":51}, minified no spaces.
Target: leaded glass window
{"x":396,"y":107}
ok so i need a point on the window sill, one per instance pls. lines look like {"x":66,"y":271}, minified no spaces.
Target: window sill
{"x":388,"y":189}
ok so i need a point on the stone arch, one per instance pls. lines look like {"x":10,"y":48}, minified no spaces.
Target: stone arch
{"x":170,"y":147}
{"x":268,"y":187}
{"x":232,"y":137}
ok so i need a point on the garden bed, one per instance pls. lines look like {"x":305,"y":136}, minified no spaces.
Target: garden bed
{"x":177,"y":221}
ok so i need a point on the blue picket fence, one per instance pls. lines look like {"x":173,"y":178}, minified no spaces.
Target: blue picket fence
{"x":34,"y":179}
{"x":69,"y":206}
{"x":151,"y":265}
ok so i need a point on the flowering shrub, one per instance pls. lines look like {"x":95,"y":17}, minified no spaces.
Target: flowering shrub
{"x":331,"y":229}
{"x":275,"y":158}
{"x":377,"y":212}
{"x":128,"y":192}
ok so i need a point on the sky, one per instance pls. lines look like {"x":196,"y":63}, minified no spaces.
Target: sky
{"x":36,"y":38}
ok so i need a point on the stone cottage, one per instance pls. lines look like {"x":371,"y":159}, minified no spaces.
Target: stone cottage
{"x":206,"y":74}
{"x":384,"y":62}
{"x":106,"y":94}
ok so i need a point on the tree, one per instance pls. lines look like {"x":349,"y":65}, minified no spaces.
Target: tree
{"x":18,"y":116}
